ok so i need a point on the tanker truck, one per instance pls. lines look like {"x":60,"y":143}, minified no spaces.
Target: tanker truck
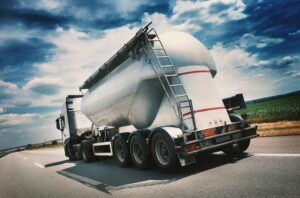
{"x":154,"y":100}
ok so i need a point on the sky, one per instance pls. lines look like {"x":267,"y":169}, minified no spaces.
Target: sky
{"x":48,"y":48}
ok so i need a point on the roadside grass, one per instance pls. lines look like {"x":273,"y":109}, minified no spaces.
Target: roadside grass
{"x":281,"y":128}
{"x":47,"y":146}
{"x":275,"y":116}
{"x":282,"y":108}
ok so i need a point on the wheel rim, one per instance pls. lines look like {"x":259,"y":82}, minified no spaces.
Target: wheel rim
{"x":120,"y":152}
{"x":162,"y":152}
{"x":137,"y":152}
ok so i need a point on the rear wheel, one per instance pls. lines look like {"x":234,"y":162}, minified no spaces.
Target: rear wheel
{"x":121,"y":151}
{"x":164,"y":153}
{"x":237,"y":149}
{"x":139,"y":152}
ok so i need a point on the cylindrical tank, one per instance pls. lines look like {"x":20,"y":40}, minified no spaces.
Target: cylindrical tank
{"x":132,"y":94}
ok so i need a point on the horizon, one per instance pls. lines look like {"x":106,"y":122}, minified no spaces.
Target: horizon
{"x":49,"y":48}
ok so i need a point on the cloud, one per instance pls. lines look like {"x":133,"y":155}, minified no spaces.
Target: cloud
{"x":8,"y":90}
{"x":267,"y":18}
{"x":163,"y":23}
{"x":281,"y":63}
{"x":31,"y":17}
{"x":12,"y":95}
{"x":295,"y":33}
{"x":251,"y":40}
{"x":214,"y":11}
{"x":233,"y":74}
{"x":91,"y":15}
{"x":47,"y":86}
{"x":293,"y":73}
{"x":2,"y":110}
{"x":16,"y":119}
{"x":51,"y":5}
{"x":233,"y":57}
{"x":18,"y":57}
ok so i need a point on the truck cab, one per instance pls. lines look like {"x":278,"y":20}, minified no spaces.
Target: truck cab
{"x":73,"y":125}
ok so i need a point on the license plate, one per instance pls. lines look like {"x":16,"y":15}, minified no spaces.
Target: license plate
{"x":222,"y":139}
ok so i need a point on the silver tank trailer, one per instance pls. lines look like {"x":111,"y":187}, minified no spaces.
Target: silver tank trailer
{"x":131,"y":94}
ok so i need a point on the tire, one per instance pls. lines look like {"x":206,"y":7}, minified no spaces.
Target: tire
{"x":121,"y":152}
{"x":164,"y":153}
{"x":240,"y":147}
{"x":139,"y":152}
{"x":70,"y":152}
{"x":237,"y":149}
{"x":244,"y":145}
{"x":87,"y":152}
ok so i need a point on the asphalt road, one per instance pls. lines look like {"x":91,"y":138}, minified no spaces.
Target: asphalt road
{"x":271,"y":168}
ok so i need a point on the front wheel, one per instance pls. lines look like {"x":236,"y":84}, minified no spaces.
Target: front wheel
{"x":164,"y":153}
{"x":70,"y":152}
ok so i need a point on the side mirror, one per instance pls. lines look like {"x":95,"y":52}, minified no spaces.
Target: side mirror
{"x":58,"y":124}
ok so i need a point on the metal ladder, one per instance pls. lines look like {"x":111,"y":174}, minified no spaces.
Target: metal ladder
{"x":172,"y":79}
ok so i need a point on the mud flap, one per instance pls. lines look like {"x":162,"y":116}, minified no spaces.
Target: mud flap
{"x":187,"y":160}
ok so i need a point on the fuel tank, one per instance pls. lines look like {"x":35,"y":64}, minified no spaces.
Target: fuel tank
{"x":131,"y":94}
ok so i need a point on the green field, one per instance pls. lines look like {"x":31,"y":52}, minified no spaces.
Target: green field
{"x":278,"y":108}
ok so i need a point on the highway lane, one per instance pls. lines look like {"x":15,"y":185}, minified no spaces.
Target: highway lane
{"x":270,"y":169}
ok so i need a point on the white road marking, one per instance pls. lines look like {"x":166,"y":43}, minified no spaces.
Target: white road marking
{"x":39,"y":165}
{"x":80,"y":178}
{"x":276,"y":154}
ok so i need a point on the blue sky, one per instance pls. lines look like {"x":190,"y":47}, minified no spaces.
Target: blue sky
{"x":49,"y":47}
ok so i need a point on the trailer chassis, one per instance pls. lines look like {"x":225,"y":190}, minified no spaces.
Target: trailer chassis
{"x":186,"y":150}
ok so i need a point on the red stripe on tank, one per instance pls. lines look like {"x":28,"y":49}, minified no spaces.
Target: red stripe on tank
{"x":202,"y":110}
{"x":192,"y":72}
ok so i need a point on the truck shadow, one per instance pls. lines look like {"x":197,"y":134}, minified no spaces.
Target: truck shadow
{"x":107,"y":176}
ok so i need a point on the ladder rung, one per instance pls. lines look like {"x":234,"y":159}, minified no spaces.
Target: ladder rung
{"x":176,"y":85}
{"x":166,"y":66}
{"x":185,"y":106}
{"x":162,"y":56}
{"x":181,"y":95}
{"x":184,"y":101}
{"x":170,"y":75}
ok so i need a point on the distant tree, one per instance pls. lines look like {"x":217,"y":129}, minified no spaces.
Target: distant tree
{"x":28,"y":146}
{"x":54,"y":142}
